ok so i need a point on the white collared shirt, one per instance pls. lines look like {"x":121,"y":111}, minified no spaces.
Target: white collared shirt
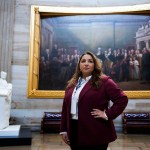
{"x":75,"y":96}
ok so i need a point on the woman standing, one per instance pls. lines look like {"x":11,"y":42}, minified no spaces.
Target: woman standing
{"x":87,"y":120}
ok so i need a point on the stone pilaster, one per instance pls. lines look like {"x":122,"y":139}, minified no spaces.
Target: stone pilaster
{"x":6,"y":35}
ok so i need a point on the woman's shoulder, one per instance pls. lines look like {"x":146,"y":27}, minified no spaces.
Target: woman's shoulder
{"x":105,"y":77}
{"x":108,"y":80}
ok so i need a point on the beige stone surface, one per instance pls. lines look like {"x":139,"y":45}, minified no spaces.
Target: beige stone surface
{"x":54,"y":142}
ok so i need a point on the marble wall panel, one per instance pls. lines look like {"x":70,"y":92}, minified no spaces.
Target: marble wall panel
{"x":121,"y":3}
{"x":138,"y":105}
{"x":29,"y":116}
{"x":20,"y":55}
{"x":58,"y":2}
{"x":37,"y":104}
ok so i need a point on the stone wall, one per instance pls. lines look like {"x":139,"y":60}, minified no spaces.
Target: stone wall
{"x":29,"y":112}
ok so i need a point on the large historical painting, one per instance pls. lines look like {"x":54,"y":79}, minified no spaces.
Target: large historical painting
{"x":120,"y":41}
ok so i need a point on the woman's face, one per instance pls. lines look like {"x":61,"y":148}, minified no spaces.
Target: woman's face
{"x":86,"y":65}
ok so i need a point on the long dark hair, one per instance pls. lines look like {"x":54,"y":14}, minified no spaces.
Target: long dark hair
{"x":96,"y":74}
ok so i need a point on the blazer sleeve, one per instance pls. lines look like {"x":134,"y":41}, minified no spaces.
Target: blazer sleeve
{"x":117,"y":96}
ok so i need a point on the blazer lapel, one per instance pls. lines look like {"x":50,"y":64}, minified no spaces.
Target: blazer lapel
{"x":85,"y":89}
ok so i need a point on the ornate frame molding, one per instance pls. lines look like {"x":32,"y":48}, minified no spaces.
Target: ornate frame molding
{"x":34,"y":48}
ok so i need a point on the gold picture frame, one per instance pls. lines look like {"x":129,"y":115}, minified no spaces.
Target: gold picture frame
{"x":34,"y":47}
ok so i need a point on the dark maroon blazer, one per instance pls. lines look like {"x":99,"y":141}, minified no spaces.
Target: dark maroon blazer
{"x":95,"y":131}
